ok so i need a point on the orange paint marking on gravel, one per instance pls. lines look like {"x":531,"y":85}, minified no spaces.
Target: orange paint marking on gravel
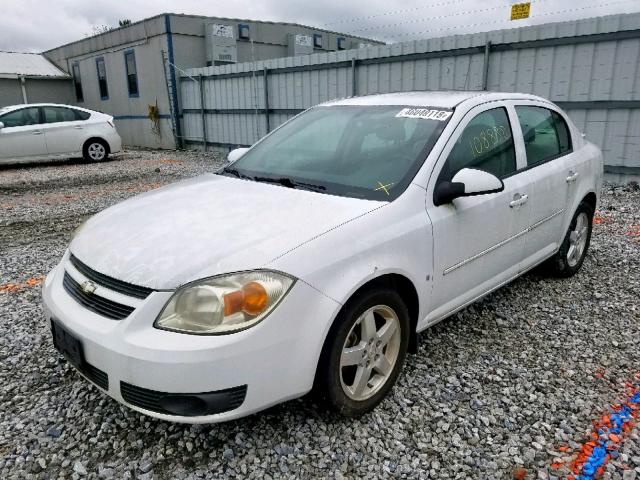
{"x":17,"y":287}
{"x":171,"y":162}
{"x":519,"y":473}
{"x":597,"y":220}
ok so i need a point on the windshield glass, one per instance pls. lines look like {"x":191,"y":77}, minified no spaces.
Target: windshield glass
{"x":370,"y":152}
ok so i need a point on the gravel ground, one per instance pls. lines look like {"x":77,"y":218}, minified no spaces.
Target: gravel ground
{"x":507,"y":388}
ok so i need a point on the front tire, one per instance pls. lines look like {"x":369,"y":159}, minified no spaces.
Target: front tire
{"x":569,"y":258}
{"x":95,"y":150}
{"x":364,"y":352}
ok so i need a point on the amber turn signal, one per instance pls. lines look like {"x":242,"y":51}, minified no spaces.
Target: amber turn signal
{"x":252,"y":299}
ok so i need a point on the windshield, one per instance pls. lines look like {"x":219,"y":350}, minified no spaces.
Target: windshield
{"x":370,"y":152}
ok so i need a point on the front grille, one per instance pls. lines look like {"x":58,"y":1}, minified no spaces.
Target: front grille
{"x":119,"y":286}
{"x":96,"y":375}
{"x":95,"y":303}
{"x":228,"y":399}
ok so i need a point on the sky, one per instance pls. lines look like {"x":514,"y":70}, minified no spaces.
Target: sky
{"x":37,"y":25}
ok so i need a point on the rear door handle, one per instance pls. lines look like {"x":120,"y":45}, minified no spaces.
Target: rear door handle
{"x":37,"y":132}
{"x":573,"y":176}
{"x":78,"y":127}
{"x":519,"y":200}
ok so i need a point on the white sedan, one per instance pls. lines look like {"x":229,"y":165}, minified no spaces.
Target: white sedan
{"x":313,"y":260}
{"x":48,"y":131}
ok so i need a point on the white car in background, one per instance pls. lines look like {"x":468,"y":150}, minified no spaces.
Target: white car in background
{"x":314,"y":259}
{"x":48,"y":131}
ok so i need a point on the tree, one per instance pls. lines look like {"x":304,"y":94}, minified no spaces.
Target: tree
{"x":125,"y":22}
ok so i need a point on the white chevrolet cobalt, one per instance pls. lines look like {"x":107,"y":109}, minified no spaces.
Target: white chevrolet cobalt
{"x":314,"y":258}
{"x":47,"y":131}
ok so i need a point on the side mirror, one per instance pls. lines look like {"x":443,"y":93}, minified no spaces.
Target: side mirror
{"x":466,"y":183}
{"x":1,"y":125}
{"x":236,"y":154}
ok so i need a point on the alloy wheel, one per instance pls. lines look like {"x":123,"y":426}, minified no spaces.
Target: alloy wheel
{"x":96,"y":151}
{"x":370,"y":352}
{"x":578,"y":239}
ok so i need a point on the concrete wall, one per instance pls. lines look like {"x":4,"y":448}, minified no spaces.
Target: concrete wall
{"x":38,"y":90}
{"x":589,"y":67}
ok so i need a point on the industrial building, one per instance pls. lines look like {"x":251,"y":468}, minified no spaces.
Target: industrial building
{"x":133,"y":72}
{"x":31,"y":78}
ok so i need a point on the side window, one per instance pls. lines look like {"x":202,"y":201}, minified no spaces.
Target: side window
{"x":77,"y":82}
{"x":545,"y":133}
{"x":102,"y":79}
{"x":58,"y":114}
{"x":80,"y":115}
{"x":132,"y":73}
{"x":22,"y":117}
{"x":485,"y":144}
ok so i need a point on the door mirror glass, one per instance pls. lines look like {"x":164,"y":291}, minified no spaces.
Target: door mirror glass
{"x":236,"y":154}
{"x":466,"y":183}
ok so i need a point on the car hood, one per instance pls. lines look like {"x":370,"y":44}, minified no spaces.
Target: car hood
{"x":206,"y":226}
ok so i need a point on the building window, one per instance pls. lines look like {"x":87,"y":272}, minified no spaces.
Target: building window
{"x":102,"y":79}
{"x":342,"y":43}
{"x":317,"y":40}
{"x":77,"y":82}
{"x":243,"y":31}
{"x":132,"y":73}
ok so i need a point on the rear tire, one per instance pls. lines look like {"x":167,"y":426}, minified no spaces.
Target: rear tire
{"x":569,"y":258}
{"x":95,"y":150}
{"x":364,"y":352}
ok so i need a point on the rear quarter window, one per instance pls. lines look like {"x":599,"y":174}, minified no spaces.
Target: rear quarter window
{"x":80,"y":115}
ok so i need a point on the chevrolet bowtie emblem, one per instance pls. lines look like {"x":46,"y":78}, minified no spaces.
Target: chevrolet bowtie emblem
{"x":88,"y":287}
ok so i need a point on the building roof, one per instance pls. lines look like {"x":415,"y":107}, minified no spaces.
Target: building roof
{"x":13,"y":65}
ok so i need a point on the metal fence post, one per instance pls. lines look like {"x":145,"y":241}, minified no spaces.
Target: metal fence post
{"x":354,"y":81}
{"x":485,"y":72}
{"x":202,"y":114}
{"x":266,"y":99}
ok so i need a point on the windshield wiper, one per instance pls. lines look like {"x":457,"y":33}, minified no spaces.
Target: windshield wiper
{"x":290,"y":183}
{"x":235,"y":173}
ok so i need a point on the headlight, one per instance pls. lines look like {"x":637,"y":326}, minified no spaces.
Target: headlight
{"x":224,"y":304}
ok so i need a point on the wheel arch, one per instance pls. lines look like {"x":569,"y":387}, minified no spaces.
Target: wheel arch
{"x":590,"y":199}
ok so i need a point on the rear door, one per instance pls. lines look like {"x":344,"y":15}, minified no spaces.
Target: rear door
{"x":551,"y":165}
{"x":64,"y":130}
{"x":22,"y":137}
{"x":479,"y":240}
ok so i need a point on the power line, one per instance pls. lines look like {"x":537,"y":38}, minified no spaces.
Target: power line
{"x":413,"y":9}
{"x":393,"y":12}
{"x":405,"y":34}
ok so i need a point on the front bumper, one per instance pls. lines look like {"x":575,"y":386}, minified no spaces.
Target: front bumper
{"x":276,"y":359}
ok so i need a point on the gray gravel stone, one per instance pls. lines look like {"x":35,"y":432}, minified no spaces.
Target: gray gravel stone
{"x":500,"y":385}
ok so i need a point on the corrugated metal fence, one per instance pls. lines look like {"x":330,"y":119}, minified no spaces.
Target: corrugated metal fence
{"x":589,"y":67}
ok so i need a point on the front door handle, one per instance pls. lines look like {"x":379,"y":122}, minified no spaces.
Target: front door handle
{"x":519,"y":200}
{"x":78,"y":127}
{"x":37,"y":132}
{"x":573,"y":176}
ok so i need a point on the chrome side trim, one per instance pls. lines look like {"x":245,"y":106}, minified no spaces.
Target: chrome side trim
{"x":500,"y":244}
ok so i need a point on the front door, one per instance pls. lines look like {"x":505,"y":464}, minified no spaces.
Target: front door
{"x":22,"y":137}
{"x":479,"y":241}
